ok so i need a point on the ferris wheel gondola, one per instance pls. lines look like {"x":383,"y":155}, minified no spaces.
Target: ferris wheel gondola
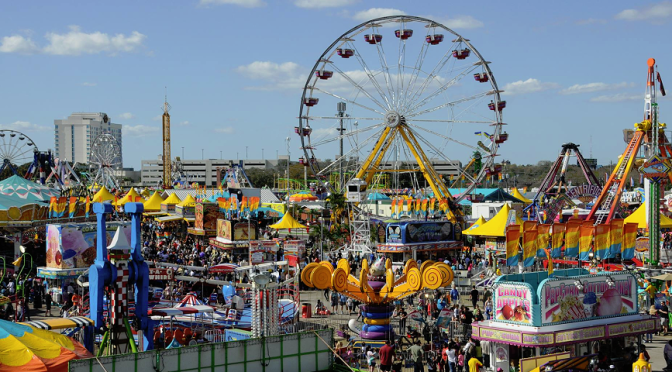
{"x":402,"y":105}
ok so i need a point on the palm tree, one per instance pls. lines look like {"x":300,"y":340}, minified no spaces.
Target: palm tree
{"x":336,"y":202}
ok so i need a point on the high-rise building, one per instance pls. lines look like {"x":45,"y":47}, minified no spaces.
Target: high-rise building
{"x":74,"y":136}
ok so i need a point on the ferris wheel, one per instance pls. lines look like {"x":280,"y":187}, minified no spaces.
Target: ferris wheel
{"x":16,"y":149}
{"x":104,"y":160}
{"x":401,"y":97}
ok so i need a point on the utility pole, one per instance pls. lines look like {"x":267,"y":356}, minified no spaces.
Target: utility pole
{"x":340,"y":107}
{"x":287,"y":179}
{"x":167,"y":160}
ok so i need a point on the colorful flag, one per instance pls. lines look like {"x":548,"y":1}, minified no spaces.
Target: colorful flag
{"x":72,"y":206}
{"x":52,"y":206}
{"x":409,"y":206}
{"x":529,"y":246}
{"x":88,"y":206}
{"x":61,"y":205}
{"x":572,"y":233}
{"x":549,"y":261}
{"x":512,"y":242}
{"x":543,"y":238}
{"x":629,"y":241}
{"x":586,"y":239}
{"x":430,"y":207}
{"x":557,"y":238}
{"x":615,"y":237}
{"x":602,"y":240}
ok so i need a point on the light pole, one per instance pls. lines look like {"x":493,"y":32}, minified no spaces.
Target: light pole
{"x":220,"y":155}
{"x":287,"y":179}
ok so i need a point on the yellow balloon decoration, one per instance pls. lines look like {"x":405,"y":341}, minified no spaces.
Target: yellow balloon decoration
{"x":409,"y":264}
{"x":305,"y":273}
{"x":365,"y":265}
{"x":414,"y":279}
{"x":339,"y":280}
{"x":321,"y":277}
{"x":425,"y":265}
{"x":376,"y":321}
{"x":343,"y":264}
{"x":328,"y":265}
{"x":446,"y":273}
{"x":431,"y":277}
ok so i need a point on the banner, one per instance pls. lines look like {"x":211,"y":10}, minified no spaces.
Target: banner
{"x":61,"y":205}
{"x":543,"y":238}
{"x":430,"y":207}
{"x":602,"y":240}
{"x":88,"y":206}
{"x":572,"y":233}
{"x":586,"y":239}
{"x":557,"y":238}
{"x":409,"y":207}
{"x":72,"y":206}
{"x":512,"y":241}
{"x":615,"y":237}
{"x":529,"y":247}
{"x":52,"y":206}
{"x":223,"y":204}
{"x":629,"y":241}
{"x":393,"y":207}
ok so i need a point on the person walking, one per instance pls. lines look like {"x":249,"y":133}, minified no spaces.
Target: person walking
{"x":417,"y":354}
{"x":47,"y":303}
{"x":386,"y":352}
{"x":402,"y":320}
{"x":474,"y":296}
{"x":455,"y":295}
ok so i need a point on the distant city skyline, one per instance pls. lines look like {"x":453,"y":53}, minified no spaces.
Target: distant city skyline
{"x":234,"y":70}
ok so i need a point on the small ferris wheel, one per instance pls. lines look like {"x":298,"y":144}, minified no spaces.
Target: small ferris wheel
{"x":104,"y":161}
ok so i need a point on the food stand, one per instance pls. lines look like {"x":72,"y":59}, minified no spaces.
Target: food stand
{"x":570,"y":311}
{"x":235,"y":237}
{"x":420,"y":240}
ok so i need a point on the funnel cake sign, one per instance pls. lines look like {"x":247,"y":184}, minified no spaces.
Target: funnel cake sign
{"x":513,"y":303}
{"x":602,"y":295}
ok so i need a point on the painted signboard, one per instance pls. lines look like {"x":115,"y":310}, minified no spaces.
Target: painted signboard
{"x":224,"y":229}
{"x":295,"y":247}
{"x":244,"y":231}
{"x":419,"y":232}
{"x":513,"y":303}
{"x":499,"y":335}
{"x":583,"y":334}
{"x":74,"y":245}
{"x":198,"y":223}
{"x":262,"y":251}
{"x":601,"y":296}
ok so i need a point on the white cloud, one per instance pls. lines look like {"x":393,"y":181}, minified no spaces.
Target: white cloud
{"x":591,"y":21}
{"x":620,"y":97}
{"x":158,"y":117}
{"x":88,"y":84}
{"x":184,"y":123}
{"x":323,"y":3}
{"x":18,"y":44}
{"x":243,"y":3}
{"x":372,"y":13}
{"x":126,"y":116}
{"x":654,"y":12}
{"x":594,"y":87}
{"x":528,"y":86}
{"x":458,"y":22}
{"x":76,"y":42}
{"x":24,"y":126}
{"x":287,"y":75}
{"x":226,"y":130}
{"x":139,"y":130}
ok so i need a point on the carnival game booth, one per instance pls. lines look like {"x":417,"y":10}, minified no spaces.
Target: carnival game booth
{"x":570,"y":311}
{"x":235,"y":237}
{"x":422,"y":240}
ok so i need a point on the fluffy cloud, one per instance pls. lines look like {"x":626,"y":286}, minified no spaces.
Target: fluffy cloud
{"x":226,"y":130}
{"x":458,"y":22}
{"x":158,"y":117}
{"x":620,"y":97}
{"x":372,"y":13}
{"x":528,"y":86}
{"x":77,"y":42}
{"x":88,"y":84}
{"x":654,"y":12}
{"x":139,"y":130}
{"x":126,"y":116}
{"x":278,"y":76}
{"x":243,"y":3}
{"x":323,"y":3}
{"x":18,"y":44}
{"x":593,"y":87}
{"x":24,"y":126}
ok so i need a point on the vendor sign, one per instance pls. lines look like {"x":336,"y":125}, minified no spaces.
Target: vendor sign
{"x":513,"y":303}
{"x":499,"y":335}
{"x":583,"y":334}
{"x":601,"y":296}
{"x":632,"y":327}
{"x":224,"y":229}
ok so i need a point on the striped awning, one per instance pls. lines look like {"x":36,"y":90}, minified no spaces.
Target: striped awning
{"x":576,"y":363}
{"x":61,"y":323}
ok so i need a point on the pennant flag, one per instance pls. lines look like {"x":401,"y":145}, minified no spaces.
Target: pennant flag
{"x":72,"y":206}
{"x":443,"y":205}
{"x":602,"y":240}
{"x":88,"y":206}
{"x":223,"y":204}
{"x":418,"y":203}
{"x":52,"y":206}
{"x":572,"y":234}
{"x":660,"y":82}
{"x":615,"y":237}
{"x":512,"y":242}
{"x":61,"y":205}
{"x":543,"y":238}
{"x":529,"y":246}
{"x":586,"y":239}
{"x":550,"y":261}
{"x":557,"y":238}
{"x":409,"y":206}
{"x":629,"y":241}
{"x":430,"y":207}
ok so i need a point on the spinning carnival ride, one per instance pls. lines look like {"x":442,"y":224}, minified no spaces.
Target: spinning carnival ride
{"x":398,"y":85}
{"x":377,"y":288}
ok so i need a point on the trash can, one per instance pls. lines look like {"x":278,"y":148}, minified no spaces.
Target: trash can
{"x":306,"y":310}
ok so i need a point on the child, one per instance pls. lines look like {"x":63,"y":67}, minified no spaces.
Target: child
{"x":460,"y":361}
{"x":371,"y":359}
{"x":397,"y":363}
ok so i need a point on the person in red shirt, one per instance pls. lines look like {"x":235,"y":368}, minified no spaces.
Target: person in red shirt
{"x":386,"y":352}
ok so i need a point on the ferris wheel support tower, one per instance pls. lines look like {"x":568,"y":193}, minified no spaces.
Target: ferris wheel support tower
{"x":167,"y":160}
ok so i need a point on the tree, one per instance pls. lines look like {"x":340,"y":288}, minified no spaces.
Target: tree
{"x":337,"y":203}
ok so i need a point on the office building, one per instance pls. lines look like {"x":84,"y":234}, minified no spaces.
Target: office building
{"x":74,"y":136}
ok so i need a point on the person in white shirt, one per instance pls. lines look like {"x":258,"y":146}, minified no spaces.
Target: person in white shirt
{"x":452,"y":360}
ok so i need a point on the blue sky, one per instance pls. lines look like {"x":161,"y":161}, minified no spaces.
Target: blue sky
{"x":235,"y":68}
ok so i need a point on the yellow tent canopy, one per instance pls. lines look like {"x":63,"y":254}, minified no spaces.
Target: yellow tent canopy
{"x":145,"y":193}
{"x":102,"y":195}
{"x":172,"y":199}
{"x":479,"y":222}
{"x":516,"y":194}
{"x":496,"y":226}
{"x":189,"y":201}
{"x":153,"y":203}
{"x":288,"y":222}
{"x":639,"y":217}
{"x":131,"y":197}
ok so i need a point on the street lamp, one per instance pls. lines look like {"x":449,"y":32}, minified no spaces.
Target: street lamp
{"x":287,"y":179}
